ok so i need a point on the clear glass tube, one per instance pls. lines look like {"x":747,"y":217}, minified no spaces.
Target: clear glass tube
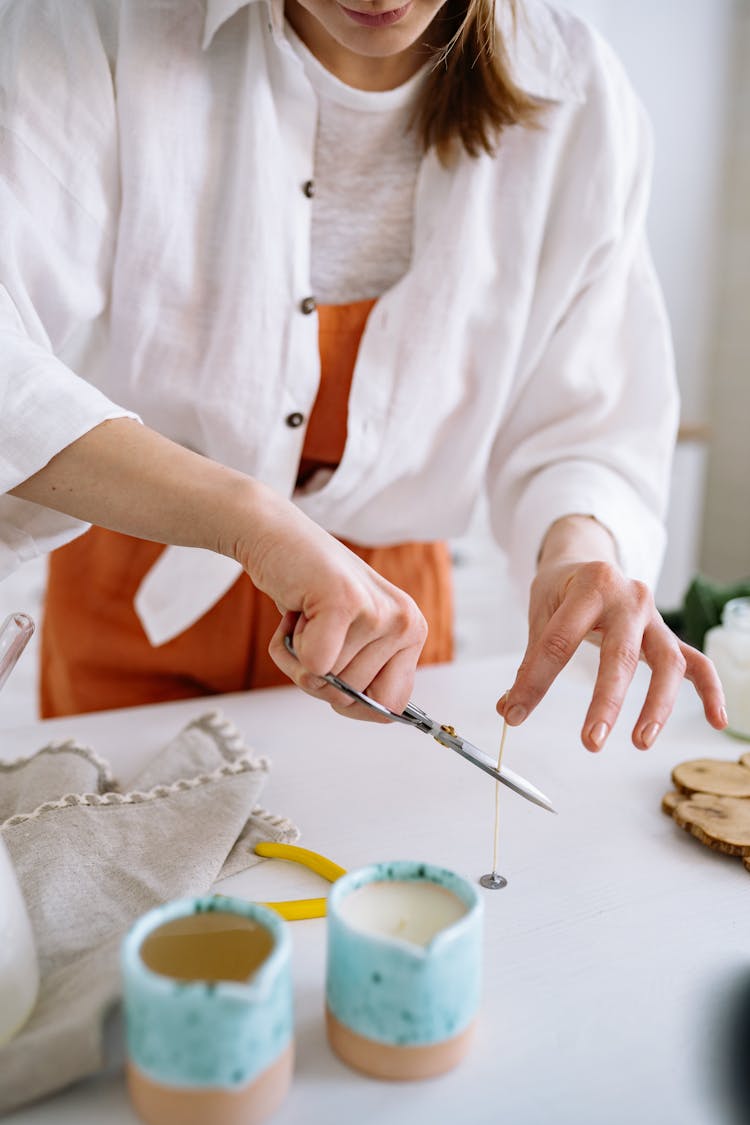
{"x":15,"y":634}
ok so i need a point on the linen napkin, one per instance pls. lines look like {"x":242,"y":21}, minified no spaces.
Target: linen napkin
{"x":91,"y":858}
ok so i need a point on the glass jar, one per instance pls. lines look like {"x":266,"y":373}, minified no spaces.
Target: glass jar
{"x":728,"y":645}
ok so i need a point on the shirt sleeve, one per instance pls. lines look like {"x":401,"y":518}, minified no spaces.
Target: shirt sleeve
{"x":58,"y":207}
{"x":591,"y":424}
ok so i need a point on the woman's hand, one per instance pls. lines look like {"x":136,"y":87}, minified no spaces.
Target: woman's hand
{"x":578,"y":592}
{"x":346,"y":618}
{"x":343,"y":616}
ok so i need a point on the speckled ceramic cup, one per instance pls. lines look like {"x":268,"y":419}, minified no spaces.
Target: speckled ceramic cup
{"x":207,"y":1050}
{"x":404,"y":969}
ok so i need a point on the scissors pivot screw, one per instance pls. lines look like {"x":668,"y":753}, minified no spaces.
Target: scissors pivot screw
{"x":493,"y":881}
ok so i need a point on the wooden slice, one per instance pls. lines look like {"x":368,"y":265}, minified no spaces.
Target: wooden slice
{"x":722,"y":823}
{"x":724,"y":779}
{"x":670,"y":801}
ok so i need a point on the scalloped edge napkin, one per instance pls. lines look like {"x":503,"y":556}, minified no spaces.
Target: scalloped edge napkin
{"x":90,"y":858}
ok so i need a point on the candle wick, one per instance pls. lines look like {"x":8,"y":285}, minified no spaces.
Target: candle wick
{"x":493,"y":880}
{"x":497,"y":800}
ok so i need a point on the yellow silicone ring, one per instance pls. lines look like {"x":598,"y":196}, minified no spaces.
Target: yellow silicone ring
{"x":298,"y":909}
{"x":315,"y":862}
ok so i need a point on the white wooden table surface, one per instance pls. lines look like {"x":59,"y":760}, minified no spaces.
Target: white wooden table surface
{"x":617,"y":959}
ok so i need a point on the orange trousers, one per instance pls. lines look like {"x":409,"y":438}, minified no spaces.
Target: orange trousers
{"x":94,"y":652}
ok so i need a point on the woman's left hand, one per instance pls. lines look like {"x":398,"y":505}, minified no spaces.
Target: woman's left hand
{"x":571,"y":600}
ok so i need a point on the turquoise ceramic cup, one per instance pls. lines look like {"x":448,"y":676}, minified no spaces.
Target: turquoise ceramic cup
{"x":216,"y":1046}
{"x":403,"y":980}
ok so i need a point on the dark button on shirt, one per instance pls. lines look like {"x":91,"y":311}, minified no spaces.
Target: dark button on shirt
{"x":307,"y":305}
{"x":309,"y":188}
{"x":295,"y":419}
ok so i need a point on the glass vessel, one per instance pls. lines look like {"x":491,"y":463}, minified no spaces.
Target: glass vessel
{"x":728,"y":645}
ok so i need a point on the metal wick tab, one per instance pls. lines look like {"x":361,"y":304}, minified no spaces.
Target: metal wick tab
{"x":493,"y":881}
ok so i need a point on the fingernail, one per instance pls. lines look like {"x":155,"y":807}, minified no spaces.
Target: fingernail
{"x":516,"y":715}
{"x":500,"y":706}
{"x":649,"y":733}
{"x":597,"y":734}
{"x":723,"y":716}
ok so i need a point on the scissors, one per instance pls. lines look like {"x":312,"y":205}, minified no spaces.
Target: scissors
{"x":414,"y":716}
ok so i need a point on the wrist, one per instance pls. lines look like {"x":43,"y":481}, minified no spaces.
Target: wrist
{"x":244,"y":511}
{"x":577,"y":538}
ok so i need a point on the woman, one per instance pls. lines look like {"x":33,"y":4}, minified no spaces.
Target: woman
{"x":376,"y":259}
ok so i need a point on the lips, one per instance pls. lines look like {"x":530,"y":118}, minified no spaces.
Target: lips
{"x":376,"y":19}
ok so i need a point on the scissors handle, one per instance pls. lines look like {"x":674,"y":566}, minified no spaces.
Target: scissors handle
{"x":412,"y":714}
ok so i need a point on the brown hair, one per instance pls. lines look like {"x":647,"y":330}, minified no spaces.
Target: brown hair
{"x":470,"y":95}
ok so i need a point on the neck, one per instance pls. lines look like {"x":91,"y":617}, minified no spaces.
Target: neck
{"x":362,"y":72}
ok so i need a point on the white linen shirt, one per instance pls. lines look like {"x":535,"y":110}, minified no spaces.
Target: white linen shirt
{"x":155,"y":254}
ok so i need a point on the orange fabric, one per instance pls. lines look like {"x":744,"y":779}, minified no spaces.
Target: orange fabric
{"x":94,"y":653}
{"x":340,"y":329}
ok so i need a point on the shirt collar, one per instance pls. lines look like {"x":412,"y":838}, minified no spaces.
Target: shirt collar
{"x":219,"y":11}
{"x":540,"y":59}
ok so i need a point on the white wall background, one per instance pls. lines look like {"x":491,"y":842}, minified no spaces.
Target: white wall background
{"x":677,"y":53}
{"x":726,"y":539}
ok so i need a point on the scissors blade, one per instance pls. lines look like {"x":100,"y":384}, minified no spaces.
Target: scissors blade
{"x":504,"y":775}
{"x":415,"y":717}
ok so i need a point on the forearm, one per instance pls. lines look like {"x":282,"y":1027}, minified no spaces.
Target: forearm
{"x":123,"y":476}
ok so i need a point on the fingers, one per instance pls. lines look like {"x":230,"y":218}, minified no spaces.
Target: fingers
{"x":620,"y":653}
{"x":704,"y":677}
{"x":309,"y":682}
{"x":389,"y":682}
{"x":378,"y":660}
{"x":671,"y":662}
{"x":551,"y":645}
{"x":661,"y":651}
{"x":571,"y":602}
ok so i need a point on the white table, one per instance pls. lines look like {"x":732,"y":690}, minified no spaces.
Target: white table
{"x":615,"y":959}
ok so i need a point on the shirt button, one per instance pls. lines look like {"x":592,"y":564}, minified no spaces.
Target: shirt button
{"x":307,"y":305}
{"x":309,"y":188}
{"x":295,"y":419}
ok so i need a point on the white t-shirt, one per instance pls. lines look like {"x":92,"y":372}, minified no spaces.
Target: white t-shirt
{"x":365,"y":174}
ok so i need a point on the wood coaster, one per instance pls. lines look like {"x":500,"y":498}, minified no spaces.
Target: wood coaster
{"x":724,"y":779}
{"x":712,"y":802}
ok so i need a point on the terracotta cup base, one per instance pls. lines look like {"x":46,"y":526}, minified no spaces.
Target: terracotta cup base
{"x":382,"y":1060}
{"x":157,"y":1104}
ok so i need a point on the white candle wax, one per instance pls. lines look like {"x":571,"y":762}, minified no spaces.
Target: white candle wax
{"x":414,"y":910}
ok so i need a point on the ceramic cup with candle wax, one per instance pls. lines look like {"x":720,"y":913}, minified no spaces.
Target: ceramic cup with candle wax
{"x":208,"y":1012}
{"x":404,"y":968}
{"x":19,"y":973}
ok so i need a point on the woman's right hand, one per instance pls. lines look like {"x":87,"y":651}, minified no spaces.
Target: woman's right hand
{"x":346,"y":618}
{"x":343,"y":616}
